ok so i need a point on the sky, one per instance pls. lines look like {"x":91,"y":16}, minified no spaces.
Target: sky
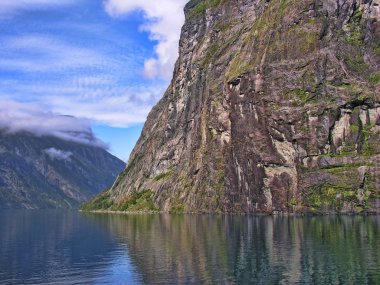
{"x":71,"y":66}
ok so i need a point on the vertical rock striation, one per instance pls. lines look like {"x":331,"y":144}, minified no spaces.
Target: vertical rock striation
{"x":274,"y":106}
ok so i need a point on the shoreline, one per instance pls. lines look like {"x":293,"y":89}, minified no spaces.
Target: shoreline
{"x":280,"y":214}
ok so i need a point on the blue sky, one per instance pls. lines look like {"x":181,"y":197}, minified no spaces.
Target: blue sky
{"x":106,"y":62}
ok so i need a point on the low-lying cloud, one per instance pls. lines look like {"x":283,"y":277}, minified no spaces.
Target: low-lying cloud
{"x":27,"y":117}
{"x":164,"y":21}
{"x":77,"y":81}
{"x":58,"y":154}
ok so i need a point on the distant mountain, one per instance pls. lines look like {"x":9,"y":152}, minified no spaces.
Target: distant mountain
{"x":48,"y":172}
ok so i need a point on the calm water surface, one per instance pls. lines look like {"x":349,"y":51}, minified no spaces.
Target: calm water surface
{"x":58,"y":247}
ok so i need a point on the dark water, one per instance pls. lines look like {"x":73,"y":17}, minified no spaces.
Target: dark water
{"x":54,"y":247}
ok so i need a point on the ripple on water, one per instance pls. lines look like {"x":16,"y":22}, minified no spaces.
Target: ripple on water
{"x":58,"y":247}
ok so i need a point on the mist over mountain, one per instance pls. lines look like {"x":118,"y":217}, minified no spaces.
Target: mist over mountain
{"x":31,"y":117}
{"x":53,"y":171}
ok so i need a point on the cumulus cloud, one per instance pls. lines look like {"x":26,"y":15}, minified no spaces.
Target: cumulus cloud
{"x":17,"y":117}
{"x":164,"y":21}
{"x":58,"y":154}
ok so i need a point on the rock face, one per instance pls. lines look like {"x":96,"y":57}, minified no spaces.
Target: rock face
{"x":274,"y":107}
{"x":47,"y":172}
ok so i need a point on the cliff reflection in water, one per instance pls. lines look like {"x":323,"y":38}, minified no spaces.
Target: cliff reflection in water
{"x":257,"y":250}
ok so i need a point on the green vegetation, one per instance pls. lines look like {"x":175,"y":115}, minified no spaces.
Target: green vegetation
{"x":177,"y":209}
{"x":281,"y":11}
{"x":324,"y":196}
{"x":359,"y":91}
{"x":369,"y":148}
{"x":99,"y":202}
{"x":137,"y":201}
{"x":355,"y":38}
{"x":348,"y":148}
{"x":243,"y":60}
{"x":331,"y":197}
{"x":355,"y":35}
{"x":237,"y":67}
{"x":131,"y":165}
{"x":357,"y":64}
{"x":344,"y":191}
{"x":202,"y":6}
{"x":211,"y":51}
{"x":340,"y":170}
{"x":358,"y":15}
{"x":269,"y":39}
{"x":214,"y":51}
{"x":163,"y":176}
{"x":293,"y":201}
{"x":303,"y":40}
{"x":375,"y":78}
{"x":302,"y":96}
{"x":354,"y":128}
{"x":370,"y":186}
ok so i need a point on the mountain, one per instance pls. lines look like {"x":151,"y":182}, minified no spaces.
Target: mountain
{"x":48,"y":172}
{"x":274,"y":106}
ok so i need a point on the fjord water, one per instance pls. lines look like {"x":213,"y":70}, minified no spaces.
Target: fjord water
{"x":59,"y":247}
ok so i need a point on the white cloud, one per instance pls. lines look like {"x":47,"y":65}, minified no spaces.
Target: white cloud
{"x":106,"y":104}
{"x":17,"y":117}
{"x":151,"y":68}
{"x":8,"y":7}
{"x":164,"y":21}
{"x":58,"y":154}
{"x":77,"y":81}
{"x":38,"y":53}
{"x":66,"y":75}
{"x":116,"y":107}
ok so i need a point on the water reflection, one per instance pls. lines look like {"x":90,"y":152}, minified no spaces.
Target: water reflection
{"x":59,"y":247}
{"x":55,"y":247}
{"x":250,"y":250}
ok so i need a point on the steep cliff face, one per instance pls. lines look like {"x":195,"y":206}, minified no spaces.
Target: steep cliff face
{"x":48,"y":172}
{"x":274,"y":106}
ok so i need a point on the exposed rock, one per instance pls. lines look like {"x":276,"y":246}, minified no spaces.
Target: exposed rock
{"x":274,"y":106}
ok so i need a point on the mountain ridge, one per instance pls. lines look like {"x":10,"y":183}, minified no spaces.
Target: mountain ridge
{"x":49,"y":172}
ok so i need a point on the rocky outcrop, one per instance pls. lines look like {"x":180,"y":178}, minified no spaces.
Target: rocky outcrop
{"x":274,"y":107}
{"x":48,"y":172}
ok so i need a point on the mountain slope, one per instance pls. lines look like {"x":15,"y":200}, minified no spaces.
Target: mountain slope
{"x":47,"y":172}
{"x":274,"y":106}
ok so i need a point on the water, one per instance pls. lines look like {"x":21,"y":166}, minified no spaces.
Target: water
{"x":58,"y":247}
